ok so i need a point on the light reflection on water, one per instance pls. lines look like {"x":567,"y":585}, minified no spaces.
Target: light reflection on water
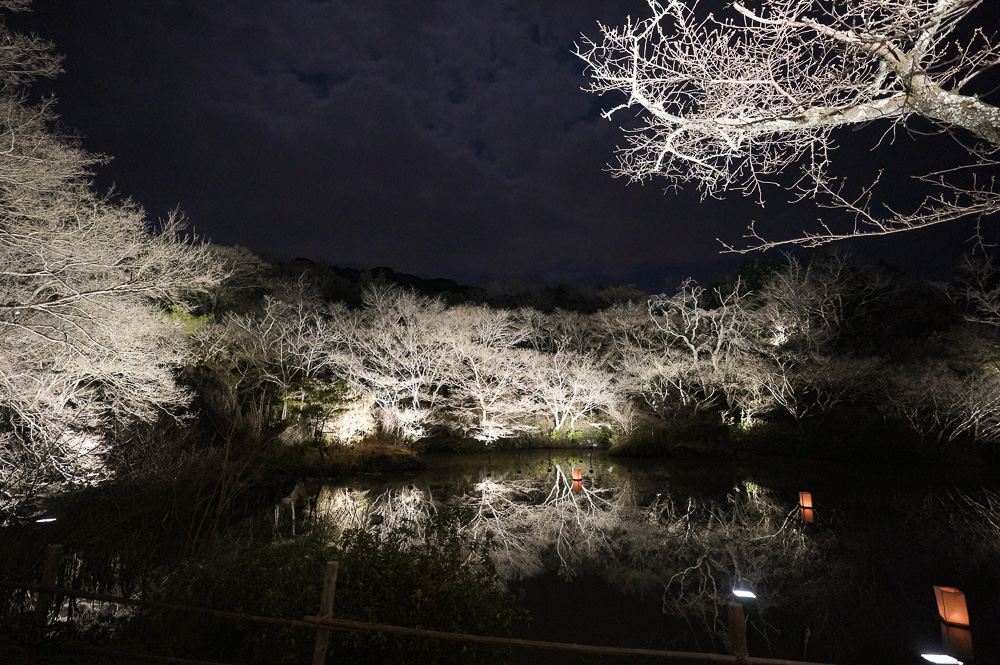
{"x":664,"y":542}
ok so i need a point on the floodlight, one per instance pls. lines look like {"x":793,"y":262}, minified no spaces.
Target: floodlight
{"x":45,"y":519}
{"x":744,"y":593}
{"x":940,"y":659}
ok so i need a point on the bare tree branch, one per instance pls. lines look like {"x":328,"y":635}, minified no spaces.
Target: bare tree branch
{"x":729,"y":103}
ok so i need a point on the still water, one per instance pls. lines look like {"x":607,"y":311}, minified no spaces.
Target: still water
{"x":645,"y":553}
{"x":628,"y":553}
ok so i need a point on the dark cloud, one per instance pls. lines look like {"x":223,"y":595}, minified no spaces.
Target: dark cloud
{"x":440,"y":137}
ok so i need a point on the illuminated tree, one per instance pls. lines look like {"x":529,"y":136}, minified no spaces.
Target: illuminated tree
{"x":943,"y":405}
{"x":812,"y":305}
{"x":285,"y":345}
{"x":708,"y":325}
{"x":85,"y":285}
{"x":561,"y":329}
{"x":569,"y":386}
{"x":396,"y":350}
{"x":809,"y":384}
{"x":977,"y":292}
{"x":87,"y":345}
{"x":730,"y":101}
{"x":488,"y":374}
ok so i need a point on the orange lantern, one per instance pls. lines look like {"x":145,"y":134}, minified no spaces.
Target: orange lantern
{"x":577,"y":479}
{"x":951,"y":605}
{"x":806,"y":507}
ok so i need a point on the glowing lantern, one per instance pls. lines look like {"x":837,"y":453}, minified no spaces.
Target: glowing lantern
{"x":951,"y":605}
{"x":577,"y":479}
{"x":806,"y":507}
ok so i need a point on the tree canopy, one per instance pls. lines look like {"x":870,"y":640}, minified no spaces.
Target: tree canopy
{"x":728,"y":102}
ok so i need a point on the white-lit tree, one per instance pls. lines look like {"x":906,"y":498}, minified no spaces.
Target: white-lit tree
{"x":811,"y":305}
{"x":705,"y":324}
{"x":85,"y":284}
{"x":397,"y":351}
{"x":568,"y":386}
{"x":488,"y":373}
{"x":730,"y":100}
{"x":284,"y":345}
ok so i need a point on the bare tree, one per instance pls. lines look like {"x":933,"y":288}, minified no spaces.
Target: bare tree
{"x":86,"y":346}
{"x":85,"y":282}
{"x":809,"y":384}
{"x":397,"y":352}
{"x":811,"y":305}
{"x":286,"y":344}
{"x":707,"y":324}
{"x":943,"y":405}
{"x":569,"y":386}
{"x":488,"y":376}
{"x":977,"y":292}
{"x":729,"y":102}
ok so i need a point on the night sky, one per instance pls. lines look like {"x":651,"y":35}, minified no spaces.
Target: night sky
{"x":443,"y":138}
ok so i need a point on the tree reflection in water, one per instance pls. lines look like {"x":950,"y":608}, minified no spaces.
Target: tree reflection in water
{"x":691,"y":551}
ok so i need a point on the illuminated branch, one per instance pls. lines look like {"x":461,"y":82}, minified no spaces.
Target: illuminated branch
{"x":729,"y":103}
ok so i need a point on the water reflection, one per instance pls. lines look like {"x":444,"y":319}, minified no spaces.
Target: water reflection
{"x":689,"y":551}
{"x":850,"y":587}
{"x":854,"y":586}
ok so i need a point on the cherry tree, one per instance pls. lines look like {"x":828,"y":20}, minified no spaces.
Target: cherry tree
{"x":487,"y":376}
{"x":85,"y":286}
{"x":728,"y":102}
{"x":396,"y":351}
{"x":569,"y":385}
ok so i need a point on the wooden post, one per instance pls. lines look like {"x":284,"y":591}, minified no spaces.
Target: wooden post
{"x":50,"y":569}
{"x":737,"y":630}
{"x":325,"y":610}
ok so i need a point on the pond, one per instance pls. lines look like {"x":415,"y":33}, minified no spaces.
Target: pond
{"x":646,"y":552}
{"x":635,"y":553}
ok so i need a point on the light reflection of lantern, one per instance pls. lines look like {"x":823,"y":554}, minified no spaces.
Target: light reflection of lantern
{"x":956,"y":641}
{"x":806,"y":507}
{"x":577,"y":479}
{"x":951,"y":605}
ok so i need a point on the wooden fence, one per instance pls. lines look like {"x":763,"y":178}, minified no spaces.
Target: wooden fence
{"x":323,"y":623}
